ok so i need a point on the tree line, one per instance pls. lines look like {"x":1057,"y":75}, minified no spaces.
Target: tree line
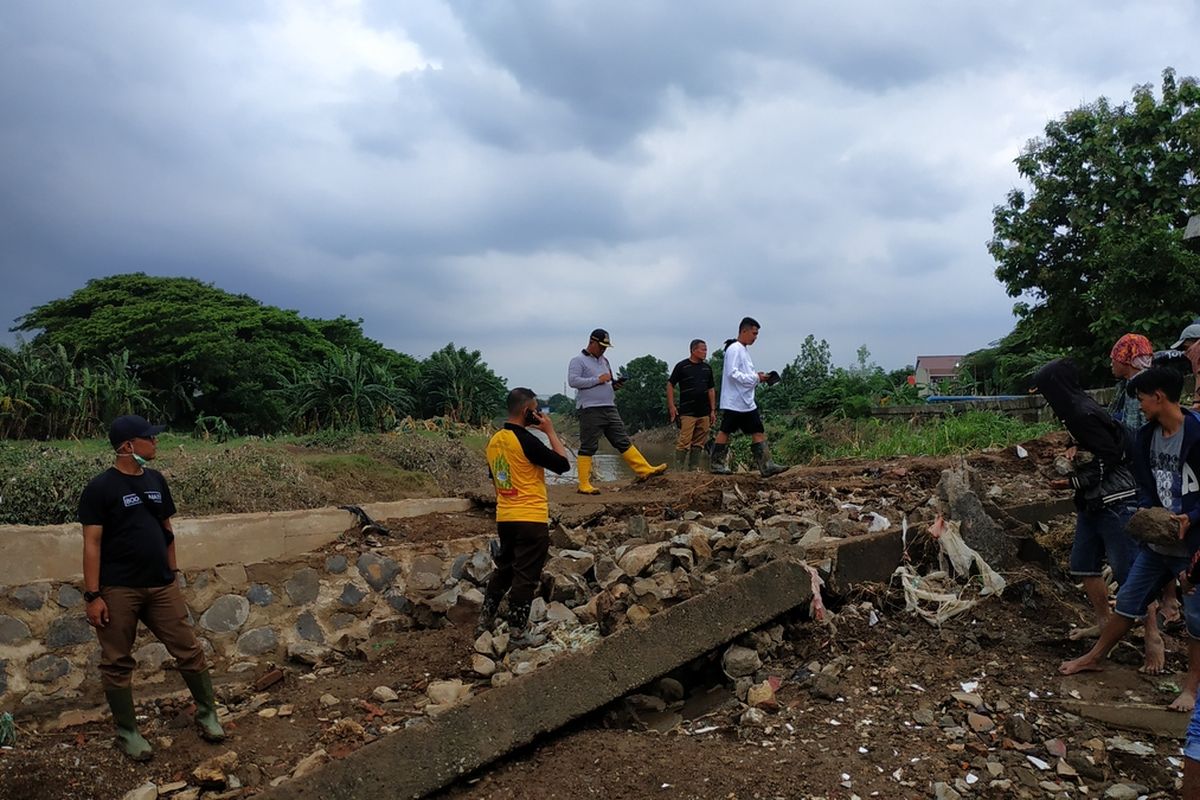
{"x":198,"y":357}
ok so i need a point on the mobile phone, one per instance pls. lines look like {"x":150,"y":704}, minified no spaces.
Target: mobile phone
{"x":532,"y":417}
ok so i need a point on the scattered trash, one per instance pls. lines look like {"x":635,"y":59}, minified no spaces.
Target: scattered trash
{"x":1022,"y":452}
{"x":1037,"y":762}
{"x":8,"y":729}
{"x":938,"y":596}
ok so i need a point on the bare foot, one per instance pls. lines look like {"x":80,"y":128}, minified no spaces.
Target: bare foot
{"x":1075,"y":634}
{"x":1155,"y":660}
{"x":1081,"y":664}
{"x":1184,"y":703}
{"x":1169,"y":607}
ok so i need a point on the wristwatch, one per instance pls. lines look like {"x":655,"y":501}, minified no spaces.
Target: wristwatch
{"x":90,"y":596}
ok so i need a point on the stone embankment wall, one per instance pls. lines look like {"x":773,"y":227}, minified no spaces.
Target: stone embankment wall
{"x":245,"y":612}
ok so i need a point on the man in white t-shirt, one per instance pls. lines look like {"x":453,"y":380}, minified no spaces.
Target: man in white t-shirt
{"x":739,"y":411}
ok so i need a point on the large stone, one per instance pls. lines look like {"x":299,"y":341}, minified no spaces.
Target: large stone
{"x":69,"y":596}
{"x":308,"y":629}
{"x":147,"y":791}
{"x":211,"y":773}
{"x":260,"y":594}
{"x":233,"y":574}
{"x":336,"y":564}
{"x":447,"y":692}
{"x":257,"y":641}
{"x":416,"y":761}
{"x":307,"y":653}
{"x":377,"y":571}
{"x":577,"y":564}
{"x":607,"y":572}
{"x":12,"y":630}
{"x":398,"y":601}
{"x":226,"y":615}
{"x":351,"y":595}
{"x":31,"y":598}
{"x":635,"y":560}
{"x":47,"y":668}
{"x":981,"y":533}
{"x":150,"y":657}
{"x":444,"y":601}
{"x":740,"y":661}
{"x":426,"y":574}
{"x":68,"y":631}
{"x":303,"y":586}
{"x":636,"y":527}
{"x":479,"y":567}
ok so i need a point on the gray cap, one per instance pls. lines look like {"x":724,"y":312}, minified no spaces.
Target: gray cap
{"x":1190,"y":332}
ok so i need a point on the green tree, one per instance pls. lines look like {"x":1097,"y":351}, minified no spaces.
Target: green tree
{"x":561,"y":404}
{"x":1095,"y":247}
{"x":346,"y":392}
{"x":642,"y":400}
{"x":458,"y":384}
{"x":196,"y":348}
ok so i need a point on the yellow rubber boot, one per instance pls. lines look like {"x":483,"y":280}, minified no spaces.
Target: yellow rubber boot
{"x":640,"y":466}
{"x":583,"y":465}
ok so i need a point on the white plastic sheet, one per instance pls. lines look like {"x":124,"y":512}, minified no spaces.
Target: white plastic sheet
{"x":949,"y":591}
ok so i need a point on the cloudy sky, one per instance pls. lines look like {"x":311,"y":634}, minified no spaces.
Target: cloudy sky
{"x":508,"y":174}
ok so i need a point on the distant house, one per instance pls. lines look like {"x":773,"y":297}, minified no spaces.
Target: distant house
{"x":932,"y":370}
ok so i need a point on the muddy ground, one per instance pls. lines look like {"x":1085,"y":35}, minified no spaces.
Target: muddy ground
{"x":865,"y":705}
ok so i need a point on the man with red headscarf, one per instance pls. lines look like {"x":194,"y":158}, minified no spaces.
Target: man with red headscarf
{"x":1131,"y":355}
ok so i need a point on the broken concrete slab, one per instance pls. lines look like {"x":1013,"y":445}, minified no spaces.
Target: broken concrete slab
{"x":1155,"y":719}
{"x":415,"y":761}
{"x":982,"y":533}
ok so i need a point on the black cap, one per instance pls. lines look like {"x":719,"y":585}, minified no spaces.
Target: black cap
{"x":131,"y":426}
{"x":600,"y":335}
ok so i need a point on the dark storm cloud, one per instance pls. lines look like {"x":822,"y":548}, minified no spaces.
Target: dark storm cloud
{"x":508,"y":175}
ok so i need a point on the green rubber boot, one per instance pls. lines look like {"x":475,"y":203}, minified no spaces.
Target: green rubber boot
{"x":200,"y":684}
{"x":680,"y":462}
{"x":130,"y":742}
{"x":719,"y":460}
{"x":762,"y":460}
{"x":697,"y":453}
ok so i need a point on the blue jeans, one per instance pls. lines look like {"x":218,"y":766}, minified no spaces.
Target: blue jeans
{"x":1101,"y":534}
{"x":1150,"y":572}
{"x":1192,"y":747}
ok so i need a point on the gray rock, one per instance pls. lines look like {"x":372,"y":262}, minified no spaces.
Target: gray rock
{"x":308,"y":629}
{"x":307,"y":653}
{"x":378,"y":572}
{"x":341,"y":621}
{"x":257,"y":641}
{"x":445,"y":601}
{"x":69,"y":631}
{"x":69,"y":596}
{"x":336,"y":564}
{"x":351,"y":595}
{"x":458,"y":568}
{"x":1122,"y":791}
{"x":33,"y":597}
{"x":398,"y":601}
{"x":303,"y":587}
{"x":151,"y":657}
{"x":260,"y":594}
{"x":740,"y":661}
{"x":47,"y":668}
{"x":147,"y":791}
{"x":12,"y":630}
{"x":228,"y":613}
{"x":944,"y":791}
{"x":479,"y":568}
{"x":670,"y":689}
{"x":636,"y":527}
{"x":978,"y":530}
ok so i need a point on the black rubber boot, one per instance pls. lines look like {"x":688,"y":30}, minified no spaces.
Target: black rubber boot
{"x":200,"y":684}
{"x":129,"y":740}
{"x":762,"y":460}
{"x":680,"y":463}
{"x":697,"y":453}
{"x":487,"y":614}
{"x":720,"y":457}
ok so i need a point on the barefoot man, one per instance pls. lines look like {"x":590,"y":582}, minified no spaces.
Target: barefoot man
{"x":1167,"y":466}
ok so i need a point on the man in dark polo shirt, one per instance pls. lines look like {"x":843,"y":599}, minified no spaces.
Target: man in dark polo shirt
{"x":697,"y":409}
{"x":129,"y":577}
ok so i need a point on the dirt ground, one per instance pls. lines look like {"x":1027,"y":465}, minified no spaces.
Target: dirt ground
{"x":865,"y":706}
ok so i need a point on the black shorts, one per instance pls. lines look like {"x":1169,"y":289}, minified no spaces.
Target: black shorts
{"x":745,"y":421}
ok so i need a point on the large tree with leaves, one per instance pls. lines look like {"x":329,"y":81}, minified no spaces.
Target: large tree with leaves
{"x":642,"y":399}
{"x":457,"y":383}
{"x":198,"y":349}
{"x":1094,"y":247}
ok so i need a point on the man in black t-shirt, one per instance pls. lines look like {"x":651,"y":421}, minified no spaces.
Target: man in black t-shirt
{"x":129,"y":576}
{"x":697,"y":409}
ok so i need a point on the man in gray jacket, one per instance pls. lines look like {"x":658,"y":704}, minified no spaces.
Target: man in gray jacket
{"x":591,"y":376}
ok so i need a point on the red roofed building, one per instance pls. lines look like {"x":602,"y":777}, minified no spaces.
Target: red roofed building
{"x":932,"y":370}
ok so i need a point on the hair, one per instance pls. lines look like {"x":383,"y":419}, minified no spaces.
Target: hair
{"x":695,"y":343}
{"x":1157,"y":379}
{"x":748,"y":322}
{"x":518,"y":397}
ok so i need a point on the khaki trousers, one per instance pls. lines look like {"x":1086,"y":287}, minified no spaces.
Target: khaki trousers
{"x":163,"y":611}
{"x":693,"y":432}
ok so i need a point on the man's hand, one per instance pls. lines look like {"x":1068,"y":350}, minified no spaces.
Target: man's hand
{"x":672,"y":413}
{"x":762,"y":377}
{"x":542,"y":422}
{"x":1060,"y":483}
{"x":1185,"y":522}
{"x":712,"y":418}
{"x":605,"y":378}
{"x":1072,"y":451}
{"x":97,"y":613}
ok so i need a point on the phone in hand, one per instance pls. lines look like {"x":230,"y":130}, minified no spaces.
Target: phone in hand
{"x":532,"y":417}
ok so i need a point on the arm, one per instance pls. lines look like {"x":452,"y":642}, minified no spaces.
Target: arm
{"x":171,"y":565}
{"x":577,"y":380}
{"x":553,"y":458}
{"x":742,"y":371}
{"x":97,"y":611}
{"x":712,"y":405}
{"x":672,"y":413}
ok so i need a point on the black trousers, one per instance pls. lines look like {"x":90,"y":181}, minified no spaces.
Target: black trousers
{"x":523,"y":550}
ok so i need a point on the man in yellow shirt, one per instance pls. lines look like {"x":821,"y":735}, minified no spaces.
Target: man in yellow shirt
{"x":518,"y":462}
